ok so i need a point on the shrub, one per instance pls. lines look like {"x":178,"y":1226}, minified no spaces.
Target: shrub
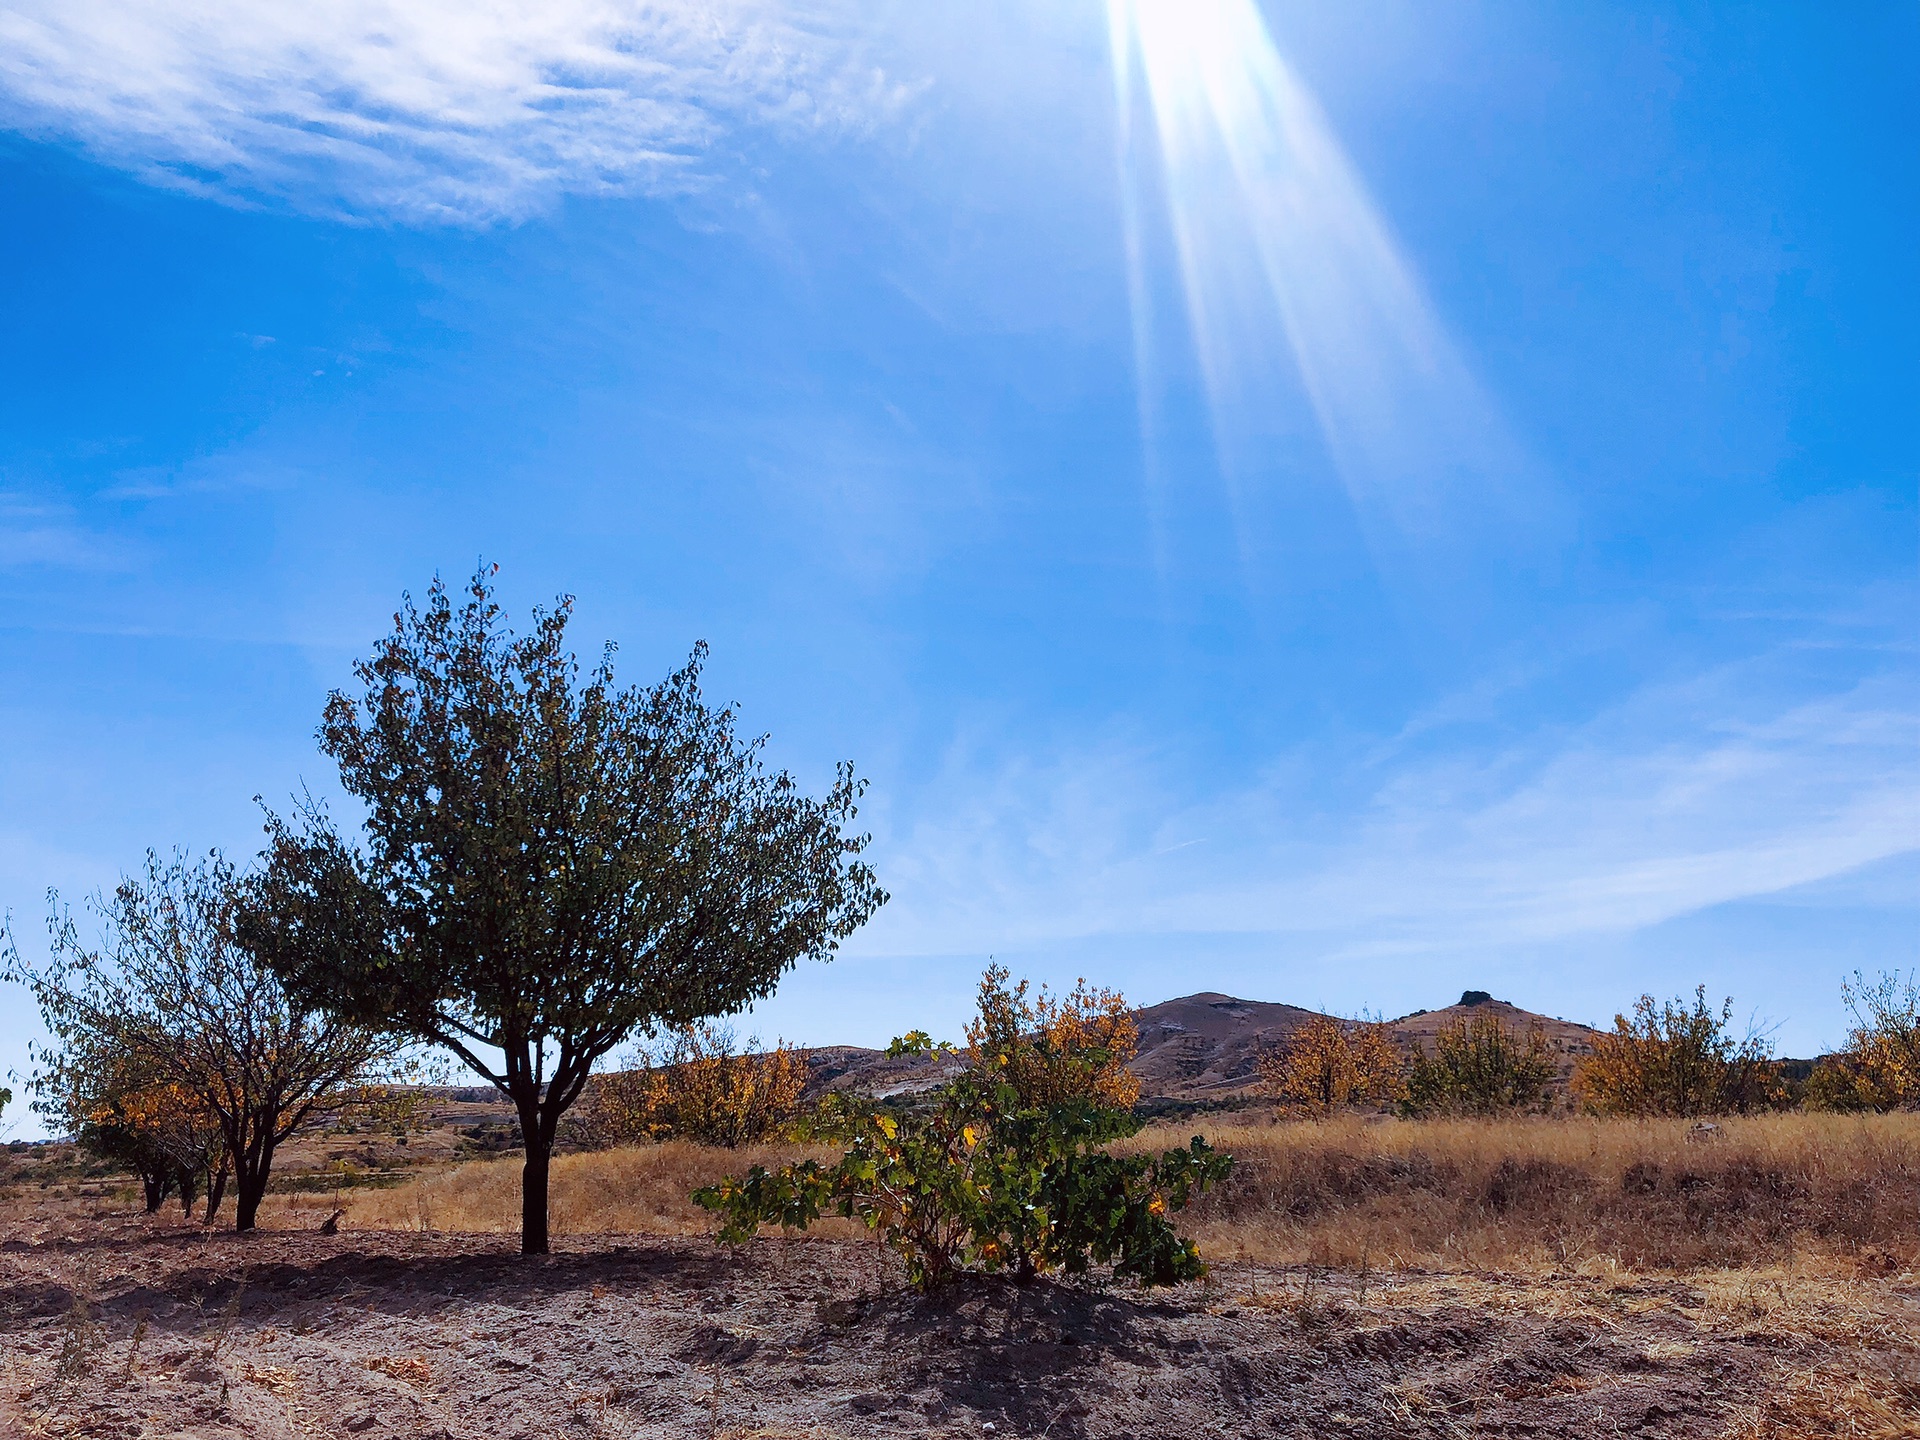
{"x":1004,"y":1168}
{"x":1842,"y":1083}
{"x":977,"y":1183}
{"x":1672,"y":1058}
{"x":697,"y":1086}
{"x":1054,"y":1050}
{"x":1478,"y":1067}
{"x":1879,"y":1067}
{"x":1326,"y":1063}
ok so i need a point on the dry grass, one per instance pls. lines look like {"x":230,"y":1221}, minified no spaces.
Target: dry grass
{"x":641,"y":1191}
{"x":1568,"y":1194}
{"x":1812,"y":1193}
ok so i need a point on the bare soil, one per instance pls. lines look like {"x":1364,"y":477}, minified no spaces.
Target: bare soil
{"x":114,"y":1325}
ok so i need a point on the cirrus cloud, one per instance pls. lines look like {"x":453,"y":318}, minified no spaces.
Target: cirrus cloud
{"x":430,"y":110}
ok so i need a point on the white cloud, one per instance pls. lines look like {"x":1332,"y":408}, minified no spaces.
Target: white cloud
{"x":1679,"y":799}
{"x":436,"y":110}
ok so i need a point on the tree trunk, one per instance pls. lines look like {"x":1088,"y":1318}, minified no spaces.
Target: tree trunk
{"x":533,"y":1191}
{"x":189,"y":1186}
{"x":250,"y":1179}
{"x":216,"y":1188}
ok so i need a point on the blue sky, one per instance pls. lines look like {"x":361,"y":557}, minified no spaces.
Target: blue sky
{"x":1333,"y":504}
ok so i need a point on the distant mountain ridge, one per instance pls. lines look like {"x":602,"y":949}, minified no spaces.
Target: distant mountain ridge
{"x":1197,"y":1051}
{"x":1199,"y":1047}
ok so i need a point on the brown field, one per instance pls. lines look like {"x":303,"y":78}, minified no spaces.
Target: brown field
{"x":1540,"y":1278}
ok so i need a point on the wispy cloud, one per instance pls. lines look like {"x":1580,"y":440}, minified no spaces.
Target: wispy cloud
{"x":36,"y":533}
{"x":430,"y":110}
{"x":1683,"y":797}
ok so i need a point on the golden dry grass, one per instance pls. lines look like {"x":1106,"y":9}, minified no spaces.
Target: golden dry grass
{"x":1564,"y":1192}
{"x":636,"y":1191}
{"x":1576,"y":1195}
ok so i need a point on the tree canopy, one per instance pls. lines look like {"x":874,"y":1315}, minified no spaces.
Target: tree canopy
{"x":548,"y":862}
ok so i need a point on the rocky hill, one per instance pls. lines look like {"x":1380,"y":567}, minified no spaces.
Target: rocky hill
{"x":1200,"y":1047}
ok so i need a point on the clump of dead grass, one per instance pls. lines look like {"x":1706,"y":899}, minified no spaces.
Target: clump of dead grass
{"x":1841,"y":1401}
{"x":1566,"y":1193}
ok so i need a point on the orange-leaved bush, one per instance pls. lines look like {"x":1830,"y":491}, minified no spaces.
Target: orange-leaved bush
{"x":1054,"y":1050}
{"x":1326,"y":1063}
{"x":698,"y":1085}
{"x":1672,"y":1058}
{"x":1879,"y":1066}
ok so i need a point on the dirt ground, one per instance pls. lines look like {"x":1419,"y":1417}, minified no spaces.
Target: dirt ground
{"x":113,"y":1325}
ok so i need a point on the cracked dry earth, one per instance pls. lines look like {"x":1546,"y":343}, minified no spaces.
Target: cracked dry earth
{"x":118,"y":1328}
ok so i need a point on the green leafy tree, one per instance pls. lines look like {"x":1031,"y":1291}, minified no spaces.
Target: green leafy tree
{"x":1478,"y":1067}
{"x":172,"y":988}
{"x":549,"y":862}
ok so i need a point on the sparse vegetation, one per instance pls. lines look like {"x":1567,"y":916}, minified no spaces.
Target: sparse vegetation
{"x":1831,"y":1194}
{"x":1326,"y":1064}
{"x":1558,"y":1193}
{"x":698,"y":1085}
{"x":1672,"y":1058}
{"x":1478,"y":1066}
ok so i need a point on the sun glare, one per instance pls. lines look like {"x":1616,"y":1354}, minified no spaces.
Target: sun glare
{"x":1292,"y":281}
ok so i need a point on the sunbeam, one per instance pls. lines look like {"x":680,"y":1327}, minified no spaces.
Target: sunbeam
{"x":1276,"y":236}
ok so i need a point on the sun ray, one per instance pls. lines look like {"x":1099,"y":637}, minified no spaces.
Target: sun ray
{"x":1293,"y":282}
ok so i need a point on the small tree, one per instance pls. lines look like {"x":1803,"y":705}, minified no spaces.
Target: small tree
{"x":1055,"y":1050}
{"x":1879,"y":1066}
{"x":1672,"y":1058}
{"x":117,"y":1104}
{"x":697,"y":1086}
{"x":549,"y":863}
{"x":1005,"y":1167}
{"x":1325,"y":1064}
{"x":1478,"y":1067}
{"x":173,"y":989}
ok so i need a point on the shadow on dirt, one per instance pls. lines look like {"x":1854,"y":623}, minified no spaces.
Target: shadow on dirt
{"x":259,"y":1277}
